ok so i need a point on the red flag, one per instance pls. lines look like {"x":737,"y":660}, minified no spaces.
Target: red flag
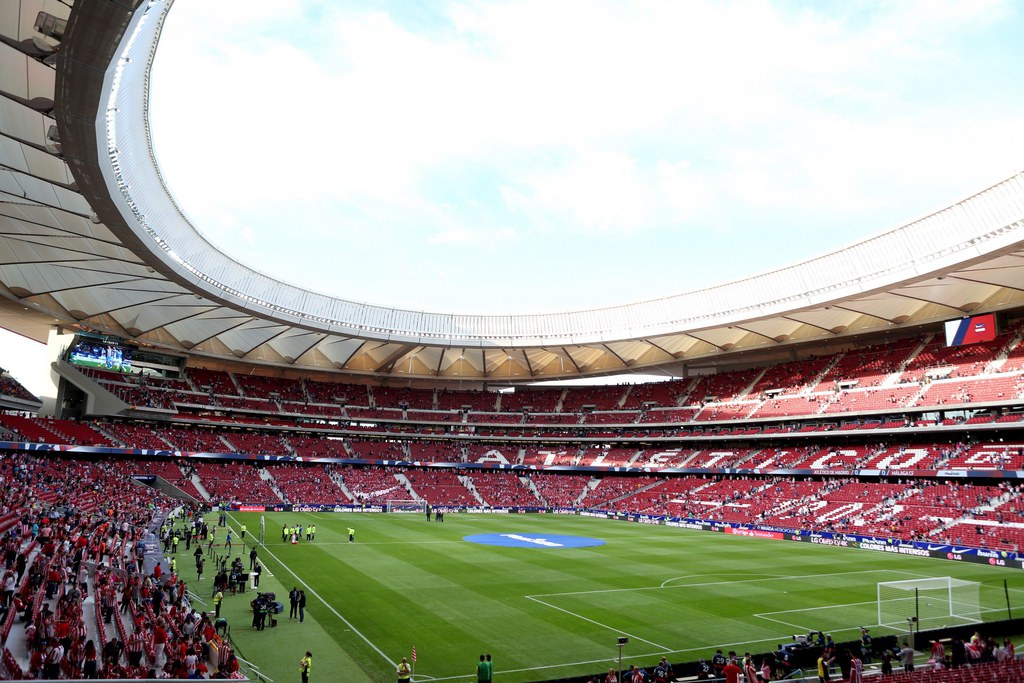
{"x":414,"y":653}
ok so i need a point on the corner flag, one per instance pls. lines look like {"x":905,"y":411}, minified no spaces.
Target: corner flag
{"x":413,"y":653}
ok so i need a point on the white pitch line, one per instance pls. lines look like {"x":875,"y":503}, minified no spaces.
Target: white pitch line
{"x":596,"y":623}
{"x":331,"y":608}
{"x":790,"y":577}
{"x":799,"y":627}
{"x":818,"y":609}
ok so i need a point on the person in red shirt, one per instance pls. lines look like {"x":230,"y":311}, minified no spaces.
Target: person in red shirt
{"x":159,"y":642}
{"x":732,"y":671}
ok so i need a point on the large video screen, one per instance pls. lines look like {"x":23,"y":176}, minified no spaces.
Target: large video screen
{"x":92,"y":353}
{"x":973,"y":330}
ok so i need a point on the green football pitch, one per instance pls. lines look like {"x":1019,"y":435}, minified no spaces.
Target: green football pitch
{"x":547,"y":612}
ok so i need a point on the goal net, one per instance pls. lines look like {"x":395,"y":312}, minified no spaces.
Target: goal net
{"x":406,"y":505}
{"x":932,"y":603}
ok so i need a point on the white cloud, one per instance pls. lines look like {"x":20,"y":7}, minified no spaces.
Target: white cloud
{"x":358,"y":130}
{"x":491,"y":239}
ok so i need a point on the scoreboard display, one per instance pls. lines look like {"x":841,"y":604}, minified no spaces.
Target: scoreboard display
{"x":972,"y":330}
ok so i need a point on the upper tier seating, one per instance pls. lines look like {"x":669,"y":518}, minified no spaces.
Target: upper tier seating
{"x":487,"y":453}
{"x":789,"y":378}
{"x":275,"y":388}
{"x":35,"y":430}
{"x":536,"y":400}
{"x":972,"y":390}
{"x":656,"y":394}
{"x":479,"y":401}
{"x":212,"y":381}
{"x":257,"y":444}
{"x":670,"y":415}
{"x":435,"y":452}
{"x":317,"y":447}
{"x":882,"y":398}
{"x":595,"y":398}
{"x":963,"y":361}
{"x":389,"y":397}
{"x":9,"y":386}
{"x":723,"y":387}
{"x":331,"y":393}
{"x":867,"y":367}
{"x":195,"y":440}
{"x":549,"y":457}
{"x":135,"y":435}
{"x":377,"y":450}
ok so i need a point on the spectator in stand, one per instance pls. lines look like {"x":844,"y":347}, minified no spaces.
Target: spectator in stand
{"x":732,"y":670}
{"x":663,"y":672}
{"x":856,"y":669}
{"x":703,"y":670}
{"x":748,"y":668}
{"x":865,"y":645}
{"x":90,"y":667}
{"x":907,"y":657}
{"x":823,"y":666}
{"x":718,"y":663}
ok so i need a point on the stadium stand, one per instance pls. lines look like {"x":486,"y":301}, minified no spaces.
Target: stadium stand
{"x":307,"y":484}
{"x":503,"y":489}
{"x":440,"y":488}
{"x":235,"y":482}
{"x":9,"y":386}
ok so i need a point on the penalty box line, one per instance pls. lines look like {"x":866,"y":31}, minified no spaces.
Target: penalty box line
{"x":801,"y":627}
{"x":594,"y":621}
{"x":666,"y":584}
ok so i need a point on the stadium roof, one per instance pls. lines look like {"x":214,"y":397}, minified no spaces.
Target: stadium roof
{"x":91,"y":238}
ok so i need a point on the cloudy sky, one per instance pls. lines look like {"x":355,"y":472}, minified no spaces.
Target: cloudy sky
{"x":536,"y":156}
{"x":508,"y":157}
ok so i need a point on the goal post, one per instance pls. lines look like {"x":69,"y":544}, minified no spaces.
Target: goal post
{"x":406,"y":505}
{"x":930,"y":603}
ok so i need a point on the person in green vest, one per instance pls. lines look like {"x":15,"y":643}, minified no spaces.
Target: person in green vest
{"x":351,"y":535}
{"x":242,"y":531}
{"x":218,"y":598}
{"x":404,"y":671}
{"x":305,"y":664}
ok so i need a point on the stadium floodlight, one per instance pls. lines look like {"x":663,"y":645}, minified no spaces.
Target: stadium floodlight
{"x":938,"y":601}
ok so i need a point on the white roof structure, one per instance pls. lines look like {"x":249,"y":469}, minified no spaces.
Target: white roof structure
{"x":91,"y":238}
